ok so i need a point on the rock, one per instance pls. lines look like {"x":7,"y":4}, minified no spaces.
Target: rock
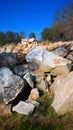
{"x":71,"y":48}
{"x":21,"y":69}
{"x":63,"y":99}
{"x":2,"y":49}
{"x":70,"y":56}
{"x":42,"y":60}
{"x":48,"y":80}
{"x":8,"y":59}
{"x":48,"y":77}
{"x":34,"y":94}
{"x":9,"y":48}
{"x":11,"y":85}
{"x":24,"y":42}
{"x":34,"y":57}
{"x":22,"y":59}
{"x":1,"y":95}
{"x":40,"y":81}
{"x":58,"y":80}
{"x":41,"y":85}
{"x":31,"y":40}
{"x":61,"y":51}
{"x":30,"y":79}
{"x":39,"y":77}
{"x":16,"y":50}
{"x":69,"y":45}
{"x":24,"y":108}
{"x":35,"y":103}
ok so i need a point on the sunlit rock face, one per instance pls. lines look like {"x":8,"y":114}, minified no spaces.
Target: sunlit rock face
{"x":42,"y":60}
{"x":63,"y":99}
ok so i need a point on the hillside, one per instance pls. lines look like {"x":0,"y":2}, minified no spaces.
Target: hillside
{"x":41,"y":76}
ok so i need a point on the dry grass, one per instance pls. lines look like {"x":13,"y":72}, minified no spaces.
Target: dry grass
{"x":44,"y":118}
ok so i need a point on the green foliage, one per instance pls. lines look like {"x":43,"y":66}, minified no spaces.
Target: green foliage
{"x":62,"y":28}
{"x":58,"y":30}
{"x":2,"y":38}
{"x":44,"y":118}
{"x":63,"y":25}
{"x":10,"y":37}
{"x":46,"y":34}
{"x":32,"y":35}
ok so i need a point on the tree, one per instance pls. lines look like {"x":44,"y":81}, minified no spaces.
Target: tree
{"x":63,"y":24}
{"x":67,"y":14}
{"x":58,"y":31}
{"x":10,"y":36}
{"x":32,"y":35}
{"x":2,"y":39}
{"x":46,"y":34}
{"x":19,"y":36}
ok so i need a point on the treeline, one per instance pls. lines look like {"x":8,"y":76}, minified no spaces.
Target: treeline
{"x":62,"y":28}
{"x":13,"y":37}
{"x":10,"y":37}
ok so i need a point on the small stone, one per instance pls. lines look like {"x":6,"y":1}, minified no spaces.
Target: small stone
{"x":24,"y":108}
{"x":30,"y":79}
{"x":34,"y":94}
{"x":35,"y":103}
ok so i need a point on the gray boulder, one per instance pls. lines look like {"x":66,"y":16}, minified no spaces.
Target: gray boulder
{"x":8,"y":59}
{"x":21,"y":69}
{"x":70,"y":56}
{"x":42,"y":60}
{"x":30,"y":79}
{"x":10,"y":85}
{"x":1,"y":95}
{"x":61,"y":51}
{"x":24,"y":108}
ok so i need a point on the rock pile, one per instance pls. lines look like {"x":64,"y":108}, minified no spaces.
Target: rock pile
{"x":23,"y":73}
{"x":21,"y":48}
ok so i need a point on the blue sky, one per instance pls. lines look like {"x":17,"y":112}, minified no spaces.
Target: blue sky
{"x":28,"y":15}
